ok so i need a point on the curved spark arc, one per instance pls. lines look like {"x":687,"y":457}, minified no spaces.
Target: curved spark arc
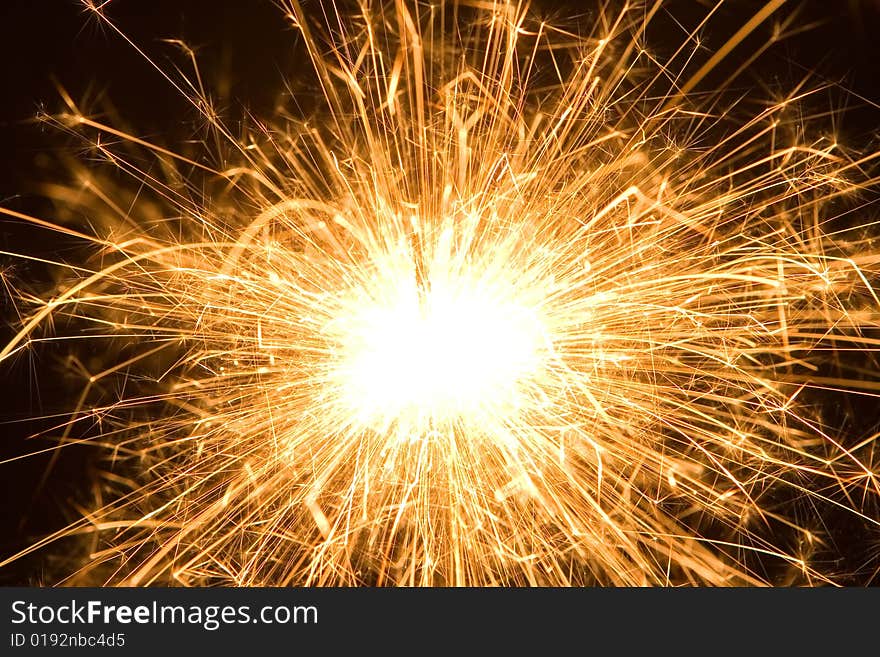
{"x":502,"y":317}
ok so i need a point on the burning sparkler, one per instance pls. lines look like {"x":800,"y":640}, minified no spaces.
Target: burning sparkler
{"x":518,"y":305}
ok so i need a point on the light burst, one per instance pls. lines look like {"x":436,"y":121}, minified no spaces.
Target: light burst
{"x":516,"y":304}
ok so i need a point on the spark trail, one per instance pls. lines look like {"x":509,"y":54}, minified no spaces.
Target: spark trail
{"x":516,"y":304}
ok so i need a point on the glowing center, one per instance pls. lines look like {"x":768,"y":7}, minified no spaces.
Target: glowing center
{"x":451,"y":353}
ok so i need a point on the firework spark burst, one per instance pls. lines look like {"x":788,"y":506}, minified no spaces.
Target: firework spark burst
{"x":515,"y":304}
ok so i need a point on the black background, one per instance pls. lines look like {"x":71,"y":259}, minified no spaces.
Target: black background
{"x":246,"y":50}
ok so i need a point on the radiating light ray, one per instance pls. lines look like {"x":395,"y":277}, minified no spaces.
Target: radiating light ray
{"x":517,"y":305}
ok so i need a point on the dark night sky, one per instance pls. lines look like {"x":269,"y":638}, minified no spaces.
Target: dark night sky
{"x":248,"y":43}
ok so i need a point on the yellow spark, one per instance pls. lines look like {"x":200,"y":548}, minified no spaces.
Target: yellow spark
{"x":517,"y":306}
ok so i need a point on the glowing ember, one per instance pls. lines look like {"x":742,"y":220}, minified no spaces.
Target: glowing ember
{"x":460,"y":349}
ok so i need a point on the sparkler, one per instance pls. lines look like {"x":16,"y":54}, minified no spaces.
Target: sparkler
{"x":515,"y":305}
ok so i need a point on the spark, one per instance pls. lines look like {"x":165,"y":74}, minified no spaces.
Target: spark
{"x":517,"y":305}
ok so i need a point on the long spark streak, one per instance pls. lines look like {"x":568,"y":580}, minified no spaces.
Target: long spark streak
{"x":517,"y":306}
